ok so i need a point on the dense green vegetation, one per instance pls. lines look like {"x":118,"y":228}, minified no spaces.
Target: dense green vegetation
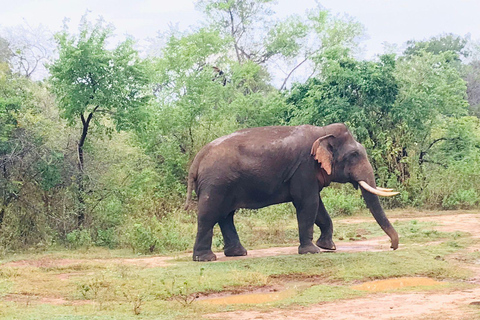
{"x":97,"y":153}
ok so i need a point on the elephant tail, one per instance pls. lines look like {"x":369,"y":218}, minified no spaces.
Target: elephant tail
{"x":190,"y":187}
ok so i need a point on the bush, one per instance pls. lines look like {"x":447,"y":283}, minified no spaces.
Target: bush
{"x":142,"y":238}
{"x":79,"y":239}
{"x":168,"y":234}
{"x":461,"y":199}
{"x":342,"y":200}
{"x":106,"y":238}
{"x":271,"y":224}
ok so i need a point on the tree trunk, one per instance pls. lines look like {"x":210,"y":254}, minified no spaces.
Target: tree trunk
{"x":232,"y":31}
{"x":81,"y":174}
{"x":2,"y":214}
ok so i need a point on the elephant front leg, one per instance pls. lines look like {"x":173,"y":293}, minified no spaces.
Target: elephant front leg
{"x":306,"y":213}
{"x":324,"y":222}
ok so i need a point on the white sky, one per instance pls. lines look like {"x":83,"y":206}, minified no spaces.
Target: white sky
{"x":392,"y":21}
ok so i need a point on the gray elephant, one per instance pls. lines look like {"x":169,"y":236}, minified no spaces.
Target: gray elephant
{"x":257,"y":167}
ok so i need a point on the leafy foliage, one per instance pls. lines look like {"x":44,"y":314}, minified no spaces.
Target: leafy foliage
{"x":87,"y":77}
{"x":437,"y":45}
{"x":146,"y":118}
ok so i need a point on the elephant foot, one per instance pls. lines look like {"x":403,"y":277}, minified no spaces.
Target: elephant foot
{"x":207,"y":256}
{"x":309,"y":248}
{"x":326,"y":244}
{"x":235,"y":251}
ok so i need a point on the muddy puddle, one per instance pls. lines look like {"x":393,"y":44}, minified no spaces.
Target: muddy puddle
{"x":251,"y":298}
{"x":292,"y":289}
{"x":259,"y":297}
{"x":397,"y":283}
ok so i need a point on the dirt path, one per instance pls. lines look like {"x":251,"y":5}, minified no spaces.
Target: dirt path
{"x":48,"y":262}
{"x":460,"y":304}
{"x":426,"y":305}
{"x":374,"y":244}
{"x":454,"y":305}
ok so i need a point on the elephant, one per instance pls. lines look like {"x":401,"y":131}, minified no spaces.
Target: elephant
{"x":257,"y":167}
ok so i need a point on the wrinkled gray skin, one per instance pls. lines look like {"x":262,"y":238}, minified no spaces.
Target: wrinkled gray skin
{"x":258,"y":167}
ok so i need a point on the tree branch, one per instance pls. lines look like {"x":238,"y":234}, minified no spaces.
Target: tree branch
{"x":423,"y":153}
{"x":81,"y":142}
{"x":233,"y":35}
{"x":290,"y":73}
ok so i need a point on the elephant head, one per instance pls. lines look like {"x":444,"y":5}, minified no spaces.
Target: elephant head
{"x":344,"y":160}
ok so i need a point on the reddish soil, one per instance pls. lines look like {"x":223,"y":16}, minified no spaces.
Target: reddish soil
{"x":48,"y":262}
{"x":439,"y":304}
{"x":452,"y":305}
{"x":30,"y":299}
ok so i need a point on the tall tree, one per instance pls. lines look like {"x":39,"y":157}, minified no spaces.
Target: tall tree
{"x":5,"y":51}
{"x":471,"y":74}
{"x":439,"y":44}
{"x":245,"y":21}
{"x":29,"y":49}
{"x":393,"y":106}
{"x":282,"y":45}
{"x":92,"y":82}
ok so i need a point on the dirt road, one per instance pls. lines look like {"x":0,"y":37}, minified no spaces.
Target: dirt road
{"x":435,"y":304}
{"x":460,"y":304}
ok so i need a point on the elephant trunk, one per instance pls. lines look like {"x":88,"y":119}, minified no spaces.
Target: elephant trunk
{"x":373,"y":204}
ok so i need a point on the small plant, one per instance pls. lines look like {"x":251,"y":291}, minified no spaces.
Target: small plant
{"x":79,"y":239}
{"x":165,"y":234}
{"x":96,"y":289}
{"x":136,"y":300}
{"x":124,"y":271}
{"x":142,"y":238}
{"x":106,"y":238}
{"x":184,"y":295}
{"x":181,"y":293}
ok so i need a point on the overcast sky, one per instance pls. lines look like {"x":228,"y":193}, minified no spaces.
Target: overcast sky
{"x":392,"y":21}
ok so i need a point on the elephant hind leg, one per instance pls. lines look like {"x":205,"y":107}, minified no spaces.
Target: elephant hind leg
{"x":207,"y":218}
{"x":202,"y":251}
{"x":214,"y":206}
{"x":324,"y":222}
{"x":232,"y":247}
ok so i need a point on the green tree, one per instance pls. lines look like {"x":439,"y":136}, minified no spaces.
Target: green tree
{"x":5,"y":52}
{"x":29,"y":48}
{"x":94,"y":83}
{"x":245,"y":22}
{"x":393,"y":106}
{"x":430,"y":88}
{"x":439,"y":44}
{"x":350,"y":91}
{"x":255,"y":35}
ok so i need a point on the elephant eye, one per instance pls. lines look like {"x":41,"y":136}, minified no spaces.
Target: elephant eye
{"x":354,"y":155}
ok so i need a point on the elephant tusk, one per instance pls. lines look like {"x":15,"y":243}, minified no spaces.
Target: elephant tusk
{"x":378,"y":192}
{"x":384,"y":189}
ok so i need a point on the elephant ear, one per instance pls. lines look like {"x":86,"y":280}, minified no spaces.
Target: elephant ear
{"x":322,"y":155}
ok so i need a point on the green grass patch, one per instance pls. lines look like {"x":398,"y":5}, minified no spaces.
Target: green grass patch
{"x":102,"y":289}
{"x":323,"y":293}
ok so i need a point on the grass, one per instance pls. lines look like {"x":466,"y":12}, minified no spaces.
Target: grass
{"x":91,"y":288}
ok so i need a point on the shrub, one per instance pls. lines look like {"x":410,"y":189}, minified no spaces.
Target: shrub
{"x":342,"y":200}
{"x":168,"y":234}
{"x":461,"y":199}
{"x":79,"y":239}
